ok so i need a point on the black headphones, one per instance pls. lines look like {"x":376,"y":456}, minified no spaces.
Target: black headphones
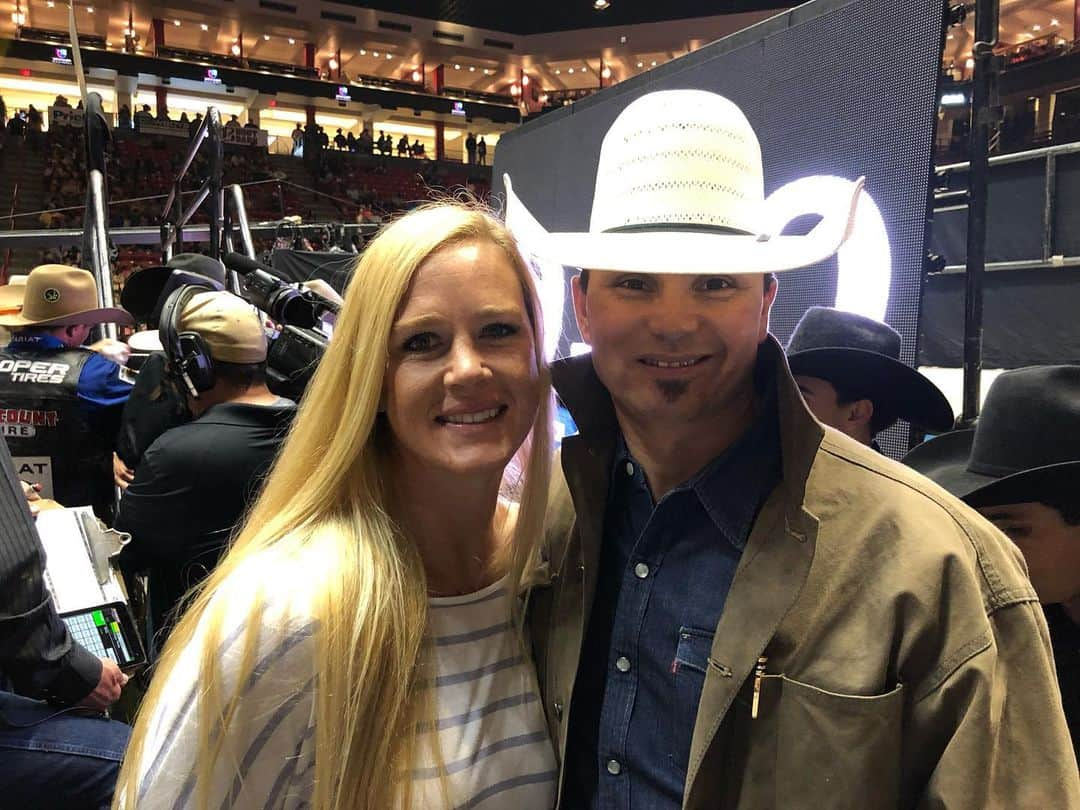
{"x":189,"y":356}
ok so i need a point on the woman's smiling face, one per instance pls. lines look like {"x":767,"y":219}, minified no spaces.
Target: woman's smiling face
{"x":463,"y":382}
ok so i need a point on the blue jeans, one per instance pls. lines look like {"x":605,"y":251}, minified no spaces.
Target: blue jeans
{"x":53,"y":758}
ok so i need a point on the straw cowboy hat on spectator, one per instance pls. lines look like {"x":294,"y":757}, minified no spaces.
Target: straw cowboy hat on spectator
{"x":58,"y":295}
{"x":680,"y":188}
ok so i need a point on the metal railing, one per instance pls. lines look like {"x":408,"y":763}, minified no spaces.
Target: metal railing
{"x":174,"y":216}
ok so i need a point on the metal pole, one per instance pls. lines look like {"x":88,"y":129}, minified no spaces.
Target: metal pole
{"x":242,"y":220}
{"x":99,"y":244}
{"x":983,"y":99}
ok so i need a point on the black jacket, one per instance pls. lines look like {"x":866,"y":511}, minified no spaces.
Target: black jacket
{"x":38,"y":657}
{"x":191,"y":490}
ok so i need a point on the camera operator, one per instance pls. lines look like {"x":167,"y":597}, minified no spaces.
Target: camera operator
{"x":155,"y":404}
{"x":52,"y":758}
{"x":195,"y":481}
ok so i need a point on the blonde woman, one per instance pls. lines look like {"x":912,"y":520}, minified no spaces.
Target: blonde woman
{"x":357,"y":647}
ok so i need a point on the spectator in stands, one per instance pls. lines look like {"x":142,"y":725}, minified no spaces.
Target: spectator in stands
{"x":340,"y":141}
{"x":1020,"y":468}
{"x":75,"y":394}
{"x":385,"y":144}
{"x":233,"y":123}
{"x":470,"y":148}
{"x":195,"y":481}
{"x":481,"y":152}
{"x":249,"y":124}
{"x":193,"y":127}
{"x":61,"y":101}
{"x":351,"y":143}
{"x":297,"y":139}
{"x":35,"y":125}
{"x":163,"y":114}
{"x":377,"y":508}
{"x":123,"y":118}
{"x":52,"y":757}
{"x":184,"y":118}
{"x":403,"y":146}
{"x":143,"y":116}
{"x":324,"y":139}
{"x":417,"y":149}
{"x":16,"y":126}
{"x":3,"y":111}
{"x":364,"y":142}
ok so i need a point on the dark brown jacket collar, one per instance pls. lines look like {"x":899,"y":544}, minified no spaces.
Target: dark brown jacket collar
{"x":589,"y":402}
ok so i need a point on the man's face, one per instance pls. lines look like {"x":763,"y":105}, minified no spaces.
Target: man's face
{"x":1051,"y":547}
{"x":852,"y":418}
{"x":74,"y":336}
{"x":674,"y":349}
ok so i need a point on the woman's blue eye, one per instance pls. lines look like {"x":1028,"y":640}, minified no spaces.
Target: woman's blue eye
{"x":423,"y":342}
{"x":499,"y":330}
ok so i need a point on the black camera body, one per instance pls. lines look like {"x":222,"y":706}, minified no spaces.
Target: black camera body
{"x":292,"y":359}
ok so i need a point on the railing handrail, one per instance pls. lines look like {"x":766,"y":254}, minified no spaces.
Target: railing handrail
{"x":174,"y":217}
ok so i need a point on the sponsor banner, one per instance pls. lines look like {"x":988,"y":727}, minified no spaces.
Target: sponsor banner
{"x":245,"y":137}
{"x":179,"y":129}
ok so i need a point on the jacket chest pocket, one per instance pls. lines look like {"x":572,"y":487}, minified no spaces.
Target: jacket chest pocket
{"x":832,"y":750}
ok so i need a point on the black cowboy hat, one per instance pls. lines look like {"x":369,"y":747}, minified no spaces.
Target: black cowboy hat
{"x":1025,"y":446}
{"x":863,"y":355}
{"x":141,"y":295}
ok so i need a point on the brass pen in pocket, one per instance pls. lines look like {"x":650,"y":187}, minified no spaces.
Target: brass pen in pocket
{"x":759,"y":674}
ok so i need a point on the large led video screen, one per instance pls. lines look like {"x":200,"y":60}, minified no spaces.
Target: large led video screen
{"x":832,"y":89}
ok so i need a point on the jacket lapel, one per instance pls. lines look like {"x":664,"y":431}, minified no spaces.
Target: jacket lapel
{"x":770,"y":577}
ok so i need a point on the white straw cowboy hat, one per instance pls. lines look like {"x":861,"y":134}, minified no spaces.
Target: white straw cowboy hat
{"x":58,"y":295}
{"x":680,"y":188}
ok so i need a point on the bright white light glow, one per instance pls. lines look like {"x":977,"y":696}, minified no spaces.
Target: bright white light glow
{"x":235,"y":49}
{"x":864,"y":263}
{"x":578,"y":349}
{"x":292,"y":41}
{"x":953,"y":99}
{"x":606,"y":73}
{"x":970,"y":63}
{"x":333,"y":63}
{"x":525,"y":80}
{"x":204,"y":26}
{"x":266,"y":37}
{"x":416,"y":75}
{"x":176,"y":23}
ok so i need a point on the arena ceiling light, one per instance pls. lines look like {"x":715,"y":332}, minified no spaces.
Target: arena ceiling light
{"x":176,"y":23}
{"x":266,"y":37}
{"x":204,"y":26}
{"x":600,"y":5}
{"x":293,"y":41}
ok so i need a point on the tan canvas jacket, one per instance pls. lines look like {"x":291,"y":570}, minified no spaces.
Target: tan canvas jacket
{"x":908,"y":663}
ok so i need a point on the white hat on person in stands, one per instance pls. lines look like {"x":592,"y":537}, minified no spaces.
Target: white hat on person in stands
{"x":680,"y":188}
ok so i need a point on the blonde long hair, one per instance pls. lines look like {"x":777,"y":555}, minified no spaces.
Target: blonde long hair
{"x":325,"y":508}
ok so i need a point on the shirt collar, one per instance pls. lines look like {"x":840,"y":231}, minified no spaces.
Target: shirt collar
{"x":733,"y":485}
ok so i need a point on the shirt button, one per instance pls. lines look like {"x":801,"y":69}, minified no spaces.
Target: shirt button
{"x":630,"y":468}
{"x":613,"y":767}
{"x":641,"y":570}
{"x":622,"y":664}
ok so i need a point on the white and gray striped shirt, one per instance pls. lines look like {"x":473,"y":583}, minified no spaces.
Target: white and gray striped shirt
{"x":492,"y":734}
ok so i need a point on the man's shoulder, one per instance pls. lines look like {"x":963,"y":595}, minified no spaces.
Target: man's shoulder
{"x":856,"y":492}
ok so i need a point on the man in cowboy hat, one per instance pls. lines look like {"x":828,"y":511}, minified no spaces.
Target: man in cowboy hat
{"x":1020,"y":467}
{"x":849,"y":371}
{"x":61,"y":401}
{"x":737,"y":607}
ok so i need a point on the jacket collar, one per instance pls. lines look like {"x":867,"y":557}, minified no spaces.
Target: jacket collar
{"x":589,"y":402}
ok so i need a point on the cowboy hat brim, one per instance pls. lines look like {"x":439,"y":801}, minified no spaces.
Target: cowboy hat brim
{"x":89,"y":317}
{"x":149,"y":340}
{"x":944,"y":460}
{"x":898,"y":388}
{"x":687,"y":251}
{"x":142,"y":289}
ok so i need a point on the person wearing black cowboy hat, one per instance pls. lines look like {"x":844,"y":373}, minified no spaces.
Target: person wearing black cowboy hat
{"x":154,"y":405}
{"x":1020,"y":467}
{"x":849,"y":372}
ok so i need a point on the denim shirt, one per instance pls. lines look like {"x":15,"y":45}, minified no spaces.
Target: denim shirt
{"x":666,"y":569}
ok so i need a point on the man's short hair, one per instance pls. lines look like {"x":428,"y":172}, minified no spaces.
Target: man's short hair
{"x":846,"y":393}
{"x":1066,"y":503}
{"x":241,"y":375}
{"x":770,"y":279}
